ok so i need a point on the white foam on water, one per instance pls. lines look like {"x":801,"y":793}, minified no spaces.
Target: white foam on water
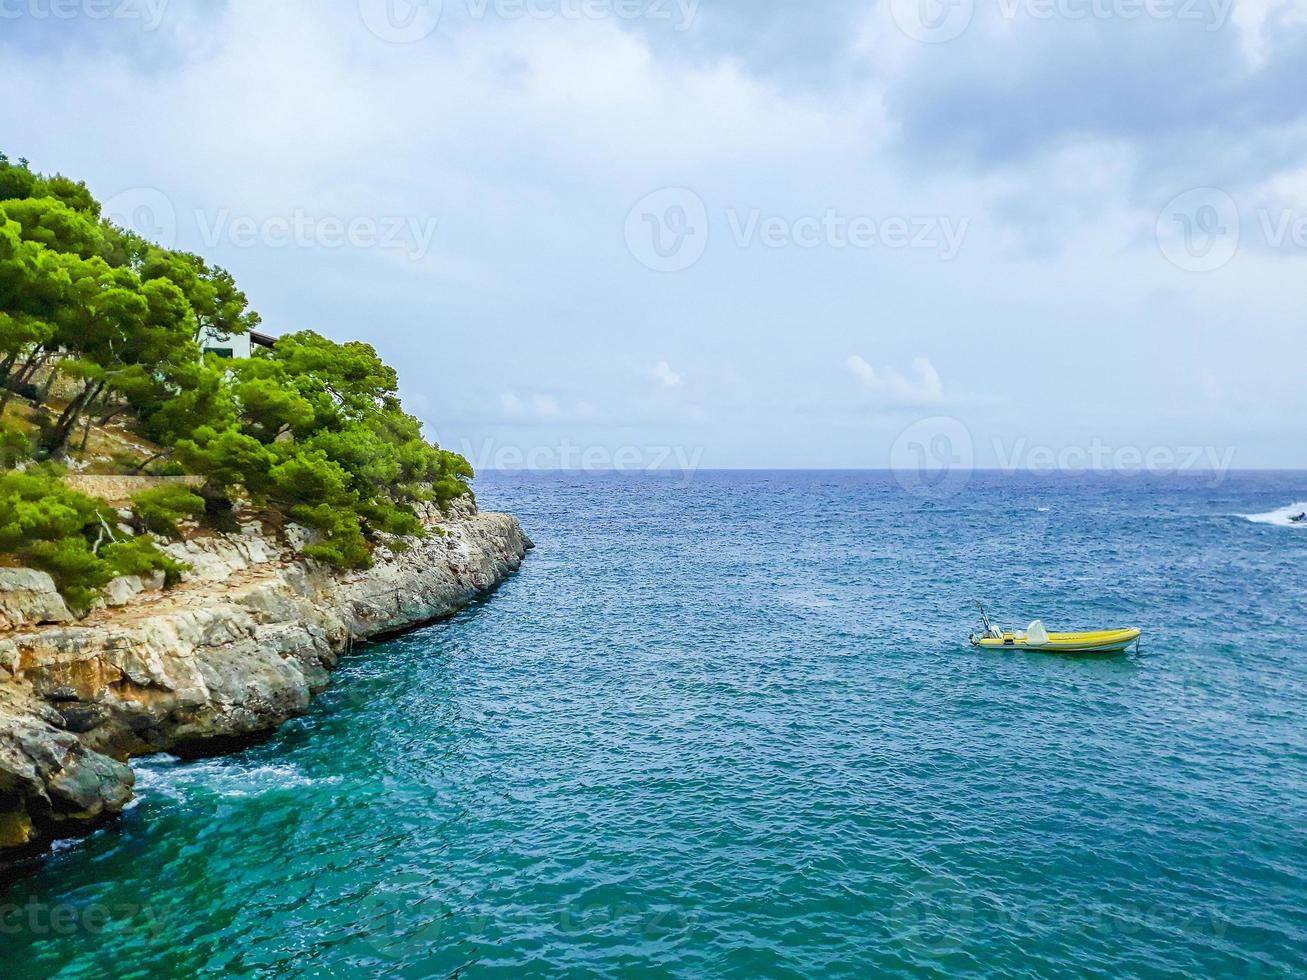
{"x":1282,"y":517}
{"x":806,"y":600}
{"x":174,"y":778}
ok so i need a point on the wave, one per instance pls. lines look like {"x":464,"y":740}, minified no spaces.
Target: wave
{"x":1282,"y":517}
{"x":174,"y":778}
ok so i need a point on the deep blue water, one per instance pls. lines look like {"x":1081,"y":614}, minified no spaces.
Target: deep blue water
{"x":731,"y":727}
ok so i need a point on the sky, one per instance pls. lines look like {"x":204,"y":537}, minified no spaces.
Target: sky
{"x":731,"y":233}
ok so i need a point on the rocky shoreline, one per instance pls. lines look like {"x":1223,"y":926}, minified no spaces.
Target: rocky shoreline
{"x":239,"y":648}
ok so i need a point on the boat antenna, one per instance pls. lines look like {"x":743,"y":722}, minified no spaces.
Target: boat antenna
{"x":984,"y":619}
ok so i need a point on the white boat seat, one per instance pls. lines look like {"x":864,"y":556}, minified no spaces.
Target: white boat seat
{"x":1036,"y":635}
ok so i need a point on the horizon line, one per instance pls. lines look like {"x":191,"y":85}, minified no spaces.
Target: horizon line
{"x":846,"y":469}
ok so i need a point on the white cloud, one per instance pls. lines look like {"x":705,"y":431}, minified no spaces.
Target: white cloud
{"x":529,"y":141}
{"x":923,"y":387}
{"x":539,"y":406}
{"x":666,"y":377}
{"x":1256,"y":20}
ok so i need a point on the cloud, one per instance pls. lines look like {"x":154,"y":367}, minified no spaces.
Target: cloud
{"x":666,"y":377}
{"x":533,"y":405}
{"x":529,"y":139}
{"x":1259,"y":20}
{"x":1015,"y":87}
{"x":544,"y":408}
{"x":923,"y":388}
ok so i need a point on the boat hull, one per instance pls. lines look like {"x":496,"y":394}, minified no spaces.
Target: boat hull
{"x":1102,"y":641}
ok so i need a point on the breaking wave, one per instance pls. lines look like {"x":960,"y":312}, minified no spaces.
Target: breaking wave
{"x":1282,"y":517}
{"x":172,"y":777}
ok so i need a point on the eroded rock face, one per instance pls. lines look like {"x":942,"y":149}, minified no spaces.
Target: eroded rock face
{"x":28,"y":598}
{"x":241,"y":648}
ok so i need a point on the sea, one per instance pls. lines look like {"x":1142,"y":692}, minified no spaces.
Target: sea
{"x":729,"y":724}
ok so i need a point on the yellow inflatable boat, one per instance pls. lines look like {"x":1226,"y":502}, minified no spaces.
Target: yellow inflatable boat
{"x":1036,"y":637}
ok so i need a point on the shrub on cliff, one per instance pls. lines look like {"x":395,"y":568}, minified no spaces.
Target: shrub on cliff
{"x":49,"y":526}
{"x":312,"y":428}
{"x":317,"y":430}
{"x":159,"y":509}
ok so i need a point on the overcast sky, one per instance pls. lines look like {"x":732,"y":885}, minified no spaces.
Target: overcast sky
{"x":744,"y":233}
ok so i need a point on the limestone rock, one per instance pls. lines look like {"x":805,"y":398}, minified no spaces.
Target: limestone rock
{"x":239,"y":649}
{"x":28,"y":597}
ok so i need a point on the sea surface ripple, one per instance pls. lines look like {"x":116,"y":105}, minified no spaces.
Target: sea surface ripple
{"x":730,"y":726}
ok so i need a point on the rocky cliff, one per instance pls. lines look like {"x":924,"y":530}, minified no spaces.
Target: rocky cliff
{"x":237,"y":649}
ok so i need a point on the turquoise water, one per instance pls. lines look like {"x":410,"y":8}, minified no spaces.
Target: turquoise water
{"x":731,"y":727}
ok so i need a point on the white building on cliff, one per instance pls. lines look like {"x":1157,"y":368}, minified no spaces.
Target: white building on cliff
{"x":237,"y":345}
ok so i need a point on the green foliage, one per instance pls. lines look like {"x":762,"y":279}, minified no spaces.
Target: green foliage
{"x":140,"y":556}
{"x":15,"y":445}
{"x":51,"y":527}
{"x":342,"y":542}
{"x":313,"y":428}
{"x":160,"y":508}
{"x":48,"y":221}
{"x":212,"y":297}
{"x":18,"y":182}
{"x":228,"y":458}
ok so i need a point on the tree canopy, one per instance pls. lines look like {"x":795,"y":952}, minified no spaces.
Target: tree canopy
{"x":312,"y":428}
